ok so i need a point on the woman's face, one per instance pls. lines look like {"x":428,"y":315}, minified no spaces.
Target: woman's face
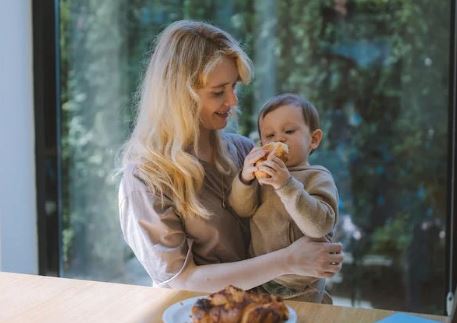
{"x":218,"y":96}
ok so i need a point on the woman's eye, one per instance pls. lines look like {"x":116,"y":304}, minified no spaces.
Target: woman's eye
{"x":219,"y":93}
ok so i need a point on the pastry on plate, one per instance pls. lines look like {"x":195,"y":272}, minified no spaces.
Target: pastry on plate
{"x":234,"y":305}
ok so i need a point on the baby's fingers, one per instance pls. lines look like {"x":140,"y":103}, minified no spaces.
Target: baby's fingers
{"x":255,"y":155}
{"x":266,"y":168}
{"x":271,"y":164}
{"x":278,"y":161}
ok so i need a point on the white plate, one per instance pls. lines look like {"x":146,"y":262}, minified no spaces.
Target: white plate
{"x":181,"y":312}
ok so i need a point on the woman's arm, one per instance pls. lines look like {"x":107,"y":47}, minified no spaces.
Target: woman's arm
{"x":157,"y":237}
{"x":303,"y":257}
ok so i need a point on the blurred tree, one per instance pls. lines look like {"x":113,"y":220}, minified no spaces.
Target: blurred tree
{"x":376,"y":70}
{"x":94,"y":66}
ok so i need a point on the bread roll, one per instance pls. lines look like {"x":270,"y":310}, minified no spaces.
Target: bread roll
{"x":279,"y":149}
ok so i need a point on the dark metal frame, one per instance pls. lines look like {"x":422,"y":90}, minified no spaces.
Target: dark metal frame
{"x":451,"y":234}
{"x":47,"y":133}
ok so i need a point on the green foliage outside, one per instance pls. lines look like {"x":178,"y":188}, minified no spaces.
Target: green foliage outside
{"x":378,"y":74}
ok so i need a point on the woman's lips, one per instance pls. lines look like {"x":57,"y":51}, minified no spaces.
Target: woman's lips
{"x":224,"y":115}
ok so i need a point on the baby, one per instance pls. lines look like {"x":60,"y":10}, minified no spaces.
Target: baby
{"x":294,"y":198}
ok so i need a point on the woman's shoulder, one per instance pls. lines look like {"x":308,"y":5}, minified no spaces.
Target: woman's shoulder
{"x":131,"y":181}
{"x":238,"y":146}
{"x":238,"y":141}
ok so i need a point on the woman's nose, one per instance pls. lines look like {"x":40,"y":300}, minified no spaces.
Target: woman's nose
{"x":232,"y":99}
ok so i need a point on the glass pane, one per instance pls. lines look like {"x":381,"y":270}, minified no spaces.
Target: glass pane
{"x":376,"y":70}
{"x":379,"y":72}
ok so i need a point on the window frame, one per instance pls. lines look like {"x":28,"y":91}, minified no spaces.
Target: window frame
{"x":45,"y":16}
{"x":46,"y":60}
{"x":451,"y":224}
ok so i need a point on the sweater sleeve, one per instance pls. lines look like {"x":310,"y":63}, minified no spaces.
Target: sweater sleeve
{"x":244,"y":198}
{"x":154,"y":232}
{"x":314,"y":209}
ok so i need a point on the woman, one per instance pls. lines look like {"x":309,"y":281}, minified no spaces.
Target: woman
{"x":177,"y":168}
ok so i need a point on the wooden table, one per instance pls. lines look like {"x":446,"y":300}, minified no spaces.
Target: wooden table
{"x":31,"y":298}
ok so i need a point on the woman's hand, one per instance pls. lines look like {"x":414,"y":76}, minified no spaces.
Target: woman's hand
{"x":277,"y":170}
{"x":247,"y":174}
{"x":317,"y":259}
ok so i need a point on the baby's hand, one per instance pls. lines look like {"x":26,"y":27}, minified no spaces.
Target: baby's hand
{"x":277,"y":170}
{"x":247,"y":174}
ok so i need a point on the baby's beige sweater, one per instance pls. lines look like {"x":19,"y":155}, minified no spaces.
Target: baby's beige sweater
{"x":306,"y":205}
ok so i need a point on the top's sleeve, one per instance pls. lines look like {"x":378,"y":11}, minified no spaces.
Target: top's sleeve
{"x":314,"y":210}
{"x":244,"y":198}
{"x":155,"y":233}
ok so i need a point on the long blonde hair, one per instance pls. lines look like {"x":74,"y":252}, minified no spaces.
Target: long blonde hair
{"x":167,"y":124}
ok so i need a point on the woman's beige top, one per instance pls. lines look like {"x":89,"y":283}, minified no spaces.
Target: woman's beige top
{"x":164,"y":241}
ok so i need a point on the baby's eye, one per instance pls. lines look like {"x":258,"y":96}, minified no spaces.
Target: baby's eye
{"x":269,"y":136}
{"x":290,"y":131}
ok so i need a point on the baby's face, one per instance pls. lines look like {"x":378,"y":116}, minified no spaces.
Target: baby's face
{"x":286,"y":124}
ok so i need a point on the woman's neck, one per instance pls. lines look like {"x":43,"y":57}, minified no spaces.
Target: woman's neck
{"x":205,"y":150}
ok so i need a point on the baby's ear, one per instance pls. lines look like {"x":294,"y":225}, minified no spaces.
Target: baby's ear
{"x":316,"y":138}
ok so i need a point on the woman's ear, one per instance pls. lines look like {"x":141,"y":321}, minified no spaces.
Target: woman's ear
{"x":316,"y":138}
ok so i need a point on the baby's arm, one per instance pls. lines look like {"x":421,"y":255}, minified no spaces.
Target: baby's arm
{"x":314,"y":210}
{"x":243,"y":197}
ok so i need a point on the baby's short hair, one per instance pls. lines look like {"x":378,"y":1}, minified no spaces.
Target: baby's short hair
{"x":310,"y":114}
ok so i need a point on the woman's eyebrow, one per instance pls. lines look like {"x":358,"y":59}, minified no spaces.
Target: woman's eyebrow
{"x":220,"y":85}
{"x":225,"y":83}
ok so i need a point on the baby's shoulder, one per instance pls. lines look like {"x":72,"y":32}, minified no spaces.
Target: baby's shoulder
{"x":315,"y":174}
{"x":318,"y":169}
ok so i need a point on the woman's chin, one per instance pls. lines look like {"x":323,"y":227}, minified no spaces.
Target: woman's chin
{"x":219,"y":123}
{"x":214,"y":127}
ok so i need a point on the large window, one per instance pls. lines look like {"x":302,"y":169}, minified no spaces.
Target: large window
{"x":378,"y":72}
